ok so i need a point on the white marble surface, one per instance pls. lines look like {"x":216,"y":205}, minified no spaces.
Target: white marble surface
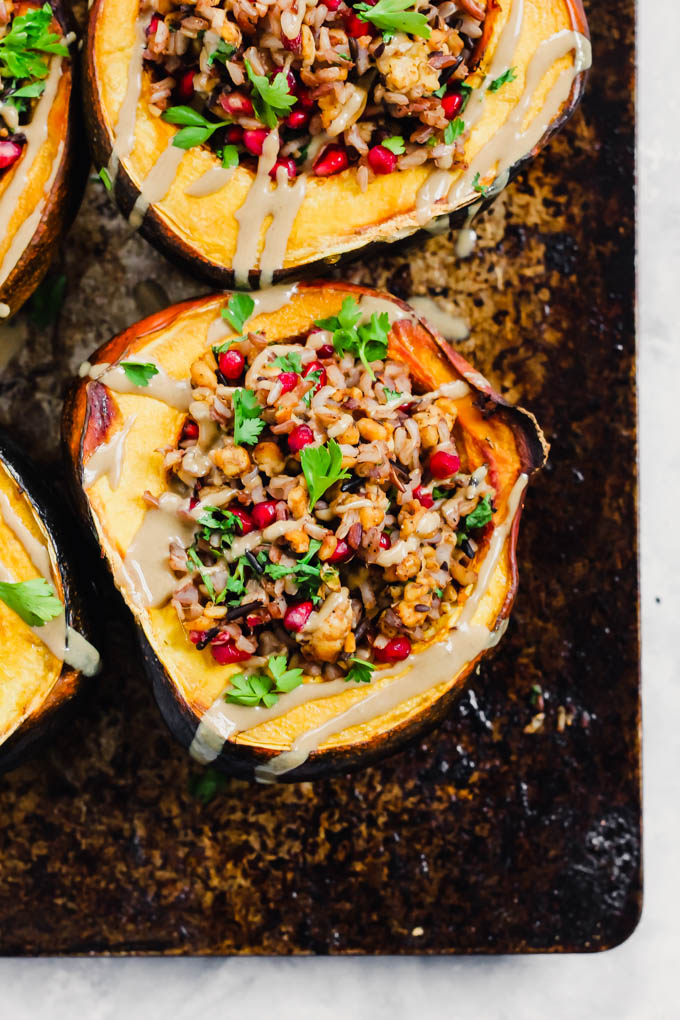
{"x":637,"y":981}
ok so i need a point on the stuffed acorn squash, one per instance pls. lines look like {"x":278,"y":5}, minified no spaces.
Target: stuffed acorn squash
{"x":41,"y":169}
{"x":250,"y":141}
{"x":310,"y":503}
{"x":42,"y":624}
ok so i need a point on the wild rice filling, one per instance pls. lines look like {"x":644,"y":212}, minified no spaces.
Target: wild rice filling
{"x":377,"y":84}
{"x":335,"y":525}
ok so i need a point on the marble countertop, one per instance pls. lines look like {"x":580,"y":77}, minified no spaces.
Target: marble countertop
{"x":637,"y":980}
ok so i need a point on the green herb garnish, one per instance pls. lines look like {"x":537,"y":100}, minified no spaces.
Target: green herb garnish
{"x":223,"y":522}
{"x":252,"y":691}
{"x":439,"y":493}
{"x":361,"y":671}
{"x":395,"y":16}
{"x":313,"y":377}
{"x":504,"y":79}
{"x":271,"y":99}
{"x":193,"y":558}
{"x":395,"y":144}
{"x":289,"y":363}
{"x":229,"y":156}
{"x":222,"y":53}
{"x":482,"y":189}
{"x":206,"y":784}
{"x":105,"y":178}
{"x":195,"y":128}
{"x":322,"y":467}
{"x":239,"y":309}
{"x":367,"y":342}
{"x":247,"y":421}
{"x":29,"y":35}
{"x":480,"y":516}
{"x":140,"y":373}
{"x":453,"y":130}
{"x":391,"y":394}
{"x":34,"y":601}
{"x":306,"y":575}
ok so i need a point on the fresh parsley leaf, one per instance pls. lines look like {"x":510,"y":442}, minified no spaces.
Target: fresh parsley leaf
{"x":105,"y":178}
{"x":252,"y":691}
{"x":440,"y":493}
{"x":361,"y":671}
{"x":453,"y":130}
{"x":367,"y":342}
{"x":322,"y":467}
{"x":480,"y":516}
{"x":345,"y":320}
{"x":206,"y":784}
{"x":391,"y":394}
{"x":439,"y":592}
{"x":440,"y":91}
{"x":395,"y":16}
{"x":34,"y":601}
{"x":314,"y":378}
{"x":286,"y":679}
{"x":31,"y":91}
{"x":395,"y":144}
{"x":193,"y":558}
{"x":229,"y":156}
{"x":247,"y":421}
{"x":140,"y":373}
{"x":482,"y":189}
{"x":223,"y":52}
{"x":196,"y":130}
{"x":306,"y":575}
{"x":506,"y":77}
{"x":289,"y":363}
{"x":239,"y":309}
{"x":29,"y":35}
{"x":221,"y":348}
{"x":228,"y":525}
{"x":45,"y":303}
{"x":271,"y":99}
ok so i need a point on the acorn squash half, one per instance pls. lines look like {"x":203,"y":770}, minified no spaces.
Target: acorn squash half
{"x":40,"y":191}
{"x":37,"y":685}
{"x":128,"y":431}
{"x":541,"y":46}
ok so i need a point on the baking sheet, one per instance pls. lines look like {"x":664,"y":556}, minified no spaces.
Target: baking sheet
{"x":502,"y":831}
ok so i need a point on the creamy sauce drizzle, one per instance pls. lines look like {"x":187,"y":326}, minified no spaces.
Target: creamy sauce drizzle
{"x":107,"y":459}
{"x":174,"y":392}
{"x":124,"y":133}
{"x":146,"y":566}
{"x":4,"y":310}
{"x":157,"y":182}
{"x":36,"y":136}
{"x":271,"y":299}
{"x":418,"y":674}
{"x":451,"y":327}
{"x":211,"y":181}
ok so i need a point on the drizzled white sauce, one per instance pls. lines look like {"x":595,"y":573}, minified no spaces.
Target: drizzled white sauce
{"x":36,"y":135}
{"x":271,"y":299}
{"x":146,"y":566}
{"x":466,"y":238}
{"x":4,"y":310}
{"x":451,"y":327}
{"x":418,"y":674}
{"x":157,"y":182}
{"x":107,"y":459}
{"x":124,"y":132}
{"x":210,"y":182}
{"x":174,"y":392}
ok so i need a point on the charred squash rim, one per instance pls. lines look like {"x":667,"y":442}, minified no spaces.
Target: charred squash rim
{"x":42,"y":723}
{"x":85,"y":426}
{"x":63,"y":199}
{"x":383,"y":234}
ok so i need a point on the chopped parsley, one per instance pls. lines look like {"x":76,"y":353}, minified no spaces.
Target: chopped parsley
{"x":271,"y":99}
{"x":223,"y":522}
{"x":392,"y":16}
{"x":252,"y":691}
{"x":395,"y":144}
{"x":34,"y":601}
{"x":21,"y":47}
{"x":306,"y":575}
{"x":368,"y":342}
{"x":480,"y":516}
{"x":439,"y":493}
{"x":482,"y":189}
{"x":313,"y":377}
{"x":247,"y":421}
{"x":289,"y":362}
{"x":105,"y":178}
{"x":322,"y":467}
{"x":193,"y":558}
{"x":453,"y":130}
{"x":140,"y":373}
{"x":361,"y":671}
{"x":391,"y":395}
{"x":195,"y":128}
{"x":238,"y":310}
{"x":504,"y":79}
{"x":222,"y":53}
{"x":229,"y":156}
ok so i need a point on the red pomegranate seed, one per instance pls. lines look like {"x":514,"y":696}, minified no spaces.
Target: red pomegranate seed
{"x":254,"y":621}
{"x":237,"y":104}
{"x":408,"y":408}
{"x":193,"y":502}
{"x":186,"y":86}
{"x":452,"y":105}
{"x":355,"y":27}
{"x":231,"y":364}
{"x":234,"y":134}
{"x":297,"y":119}
{"x":423,"y":496}
{"x":264,"y":514}
{"x":303,"y":97}
{"x":443,"y":465}
{"x":289,"y":381}
{"x":385,"y":541}
{"x":244,"y":517}
{"x":327,"y":351}
{"x":381,"y":160}
{"x":153,"y":25}
{"x":293,"y":83}
{"x":189,"y":430}
{"x":288,"y":164}
{"x":316,"y":366}
{"x":254,"y":140}
{"x":228,"y":652}
{"x":296,"y":616}
{"x":9,"y":153}
{"x":341,"y":552}
{"x":293,"y":45}
{"x":301,"y":436}
{"x":396,"y":650}
{"x":332,"y":161}
{"x":332,"y":5}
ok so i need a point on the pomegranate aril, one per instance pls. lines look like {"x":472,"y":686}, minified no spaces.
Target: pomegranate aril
{"x":185,"y":87}
{"x":247,"y":524}
{"x":189,"y":430}
{"x":231,"y":364}
{"x":264,"y":514}
{"x":300,"y":437}
{"x":332,"y":5}
{"x":381,"y":160}
{"x":424,"y":497}
{"x":234,"y":134}
{"x":355,"y":27}
{"x":296,"y":616}
{"x":237,"y":104}
{"x":254,"y":140}
{"x":288,"y":164}
{"x":332,"y":161}
{"x":341,"y":552}
{"x":303,"y":97}
{"x":9,"y":153}
{"x":153,"y":25}
{"x":316,"y":366}
{"x":327,"y":351}
{"x":289,"y":381}
{"x":297,"y":119}
{"x":227,"y":653}
{"x":452,"y":104}
{"x":292,"y":45}
{"x":396,"y":650}
{"x":385,"y":541}
{"x":443,"y":464}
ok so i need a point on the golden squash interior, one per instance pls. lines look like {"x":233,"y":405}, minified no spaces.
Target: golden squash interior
{"x":174,"y":339}
{"x":28,"y":670}
{"x":335,"y":215}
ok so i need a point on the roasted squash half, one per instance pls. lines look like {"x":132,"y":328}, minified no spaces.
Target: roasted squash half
{"x":526,"y":73}
{"x":42,"y":169}
{"x":117,"y":435}
{"x":43,"y":663}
